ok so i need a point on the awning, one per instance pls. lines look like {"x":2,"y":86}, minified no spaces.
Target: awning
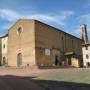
{"x":69,"y":53}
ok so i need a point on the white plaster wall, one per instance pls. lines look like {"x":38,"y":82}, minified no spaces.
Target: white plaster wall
{"x":84,"y":55}
{"x":4,"y":41}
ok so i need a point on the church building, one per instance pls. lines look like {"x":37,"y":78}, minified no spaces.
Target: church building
{"x":33,"y":43}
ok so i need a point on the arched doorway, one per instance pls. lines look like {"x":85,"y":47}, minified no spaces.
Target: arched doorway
{"x":19,"y":59}
{"x":4,"y":61}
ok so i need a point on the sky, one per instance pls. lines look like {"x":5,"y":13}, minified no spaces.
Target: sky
{"x":67,"y":15}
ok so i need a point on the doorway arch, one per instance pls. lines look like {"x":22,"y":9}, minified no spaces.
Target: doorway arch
{"x":4,"y":61}
{"x":56,"y":60}
{"x":19,"y":59}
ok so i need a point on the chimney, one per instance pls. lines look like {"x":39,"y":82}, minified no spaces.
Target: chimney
{"x":84,"y":36}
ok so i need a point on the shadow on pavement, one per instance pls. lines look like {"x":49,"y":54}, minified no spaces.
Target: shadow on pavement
{"x":10,"y":82}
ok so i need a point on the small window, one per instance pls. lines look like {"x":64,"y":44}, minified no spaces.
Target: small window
{"x":62,"y":38}
{"x":41,"y":51}
{"x":20,"y":29}
{"x":86,"y":47}
{"x":87,"y":56}
{"x":47,"y":52}
{"x":72,"y":44}
{"x":82,"y":29}
{"x":3,"y":45}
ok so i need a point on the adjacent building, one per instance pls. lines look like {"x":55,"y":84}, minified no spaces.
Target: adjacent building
{"x":85,"y":46}
{"x":3,"y":50}
{"x":86,"y":54}
{"x":33,"y":43}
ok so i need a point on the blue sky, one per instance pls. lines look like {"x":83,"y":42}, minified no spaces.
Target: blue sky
{"x":66,"y":15}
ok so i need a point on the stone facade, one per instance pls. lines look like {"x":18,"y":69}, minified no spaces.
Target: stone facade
{"x":21,"y":44}
{"x":64,"y":48}
{"x":33,"y":43}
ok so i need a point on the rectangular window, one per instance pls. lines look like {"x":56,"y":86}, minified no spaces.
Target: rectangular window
{"x":3,"y":45}
{"x":62,"y":43}
{"x":47,"y":52}
{"x":87,"y":56}
{"x":41,"y":51}
{"x":72,"y":45}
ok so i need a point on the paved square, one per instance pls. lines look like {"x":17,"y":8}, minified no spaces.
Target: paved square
{"x":41,"y":79}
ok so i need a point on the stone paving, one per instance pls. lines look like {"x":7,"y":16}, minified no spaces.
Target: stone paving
{"x":44,"y":79}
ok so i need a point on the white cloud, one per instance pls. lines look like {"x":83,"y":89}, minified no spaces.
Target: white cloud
{"x":9,"y":15}
{"x":59,"y":18}
{"x":83,"y":19}
{"x":67,"y":13}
